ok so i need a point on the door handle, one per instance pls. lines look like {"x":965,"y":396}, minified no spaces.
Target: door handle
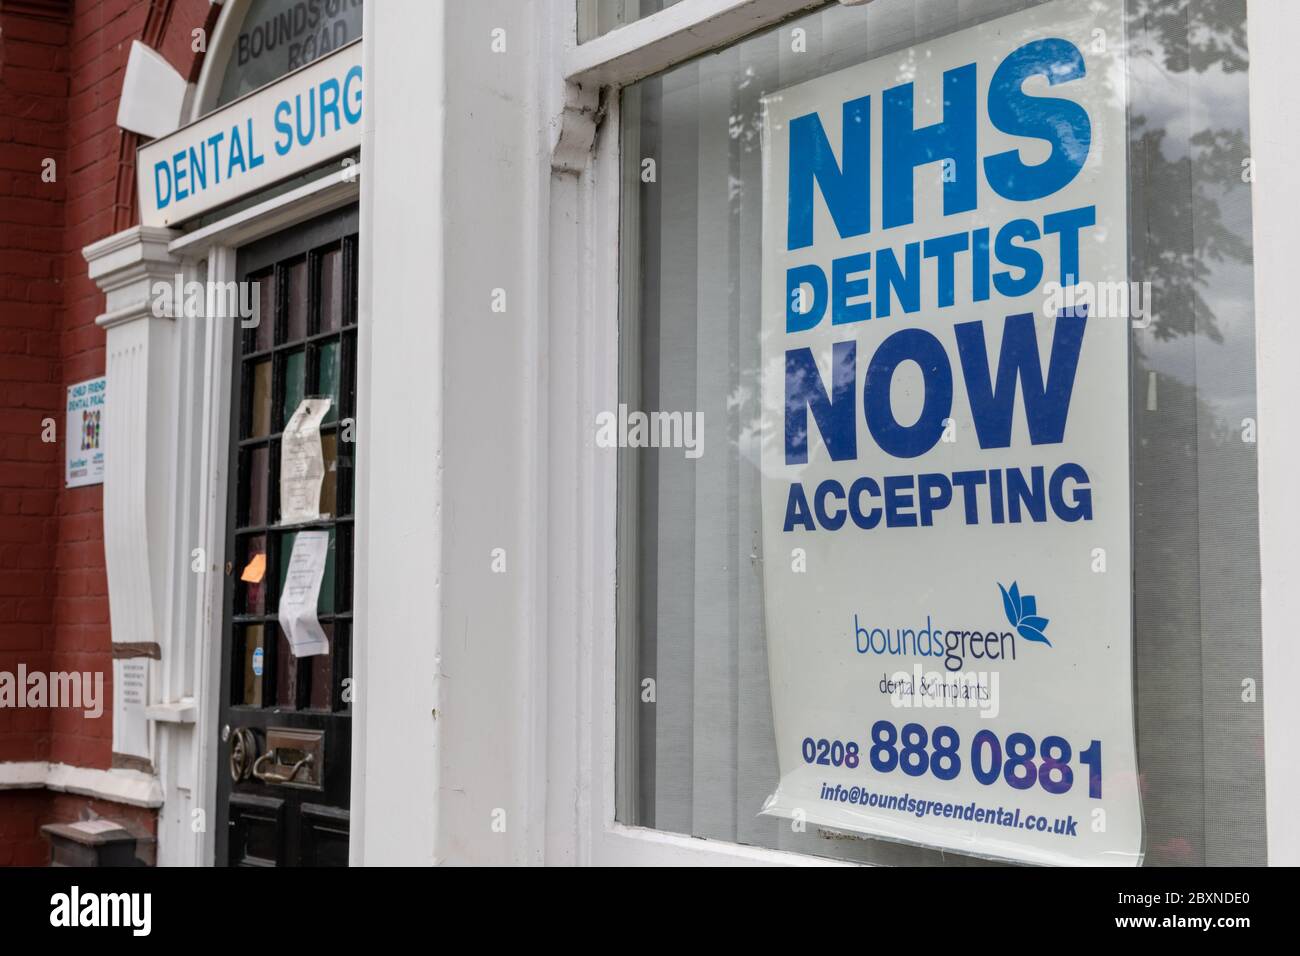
{"x":243,"y":751}
{"x":270,"y":776}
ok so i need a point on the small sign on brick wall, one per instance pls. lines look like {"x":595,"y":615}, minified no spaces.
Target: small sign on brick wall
{"x":84,"y":433}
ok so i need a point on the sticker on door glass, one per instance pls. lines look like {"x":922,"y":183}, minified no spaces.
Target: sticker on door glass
{"x":945,"y":484}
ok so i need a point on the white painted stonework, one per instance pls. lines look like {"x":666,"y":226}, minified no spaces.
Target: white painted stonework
{"x":153,"y":93}
{"x":120,"y":786}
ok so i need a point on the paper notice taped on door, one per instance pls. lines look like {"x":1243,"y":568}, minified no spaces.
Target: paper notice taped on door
{"x":302,"y":462}
{"x":300,"y":593}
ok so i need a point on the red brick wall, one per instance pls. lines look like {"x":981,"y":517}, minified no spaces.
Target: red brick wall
{"x":100,"y":43}
{"x":34,"y":105}
{"x":33,"y":129}
{"x":21,"y":814}
{"x":61,"y":69}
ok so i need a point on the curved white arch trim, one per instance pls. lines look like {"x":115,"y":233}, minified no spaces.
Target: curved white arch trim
{"x":220,"y":45}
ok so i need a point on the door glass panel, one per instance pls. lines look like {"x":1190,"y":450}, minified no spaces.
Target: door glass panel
{"x":264,"y":333}
{"x":327,"y":378}
{"x":331,"y":290}
{"x":322,"y":671}
{"x":286,"y":674}
{"x":252,"y":575}
{"x":257,"y":474}
{"x":295,"y":383}
{"x":253,"y":657}
{"x":325,"y":604}
{"x":329,"y":486}
{"x":296,"y":306}
{"x":260,"y":416}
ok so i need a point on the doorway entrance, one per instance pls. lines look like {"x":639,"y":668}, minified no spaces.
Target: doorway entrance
{"x":285,"y":747}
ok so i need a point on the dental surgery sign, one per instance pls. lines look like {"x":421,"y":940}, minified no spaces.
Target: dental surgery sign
{"x":307,"y":118}
{"x":945,"y":486}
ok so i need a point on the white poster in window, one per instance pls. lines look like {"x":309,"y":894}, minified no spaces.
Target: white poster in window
{"x":84,"y":433}
{"x":130,"y":696}
{"x":302,"y":462}
{"x":946,"y":506}
{"x":301,"y":591}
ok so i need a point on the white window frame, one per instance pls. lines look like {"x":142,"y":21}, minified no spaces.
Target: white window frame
{"x":1274,"y":32}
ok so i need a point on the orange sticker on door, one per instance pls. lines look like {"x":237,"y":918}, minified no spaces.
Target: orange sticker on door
{"x":255,"y":571}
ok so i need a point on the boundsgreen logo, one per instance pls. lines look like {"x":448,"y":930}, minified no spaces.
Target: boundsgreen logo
{"x":1022,"y":612}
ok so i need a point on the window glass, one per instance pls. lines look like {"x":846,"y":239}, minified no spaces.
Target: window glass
{"x":597,"y":17}
{"x":697,"y":756}
{"x":279,"y":36}
{"x":252,"y":653}
{"x":295,"y":365}
{"x":260,"y":412}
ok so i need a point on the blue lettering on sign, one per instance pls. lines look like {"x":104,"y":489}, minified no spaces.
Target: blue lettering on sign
{"x":215,"y":141}
{"x":1020,"y":245}
{"x":995,"y":496}
{"x":352,"y":95}
{"x":1047,"y":403}
{"x":1064,"y":124}
{"x":939,"y":272}
{"x":1046,"y":400}
{"x":236,"y":155}
{"x":845,"y":185}
{"x":304,"y":138}
{"x":178,"y":168}
{"x":198,"y":161}
{"x":927,"y":352}
{"x":329,"y":104}
{"x":321,"y":111}
{"x":954,"y":138}
{"x":282,"y":127}
{"x":847,"y":191}
{"x":833,"y":412}
{"x":162,"y":174}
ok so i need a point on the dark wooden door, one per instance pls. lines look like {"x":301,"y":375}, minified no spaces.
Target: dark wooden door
{"x":283,"y":800}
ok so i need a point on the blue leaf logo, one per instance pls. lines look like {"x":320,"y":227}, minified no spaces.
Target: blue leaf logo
{"x":1022,"y":612}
